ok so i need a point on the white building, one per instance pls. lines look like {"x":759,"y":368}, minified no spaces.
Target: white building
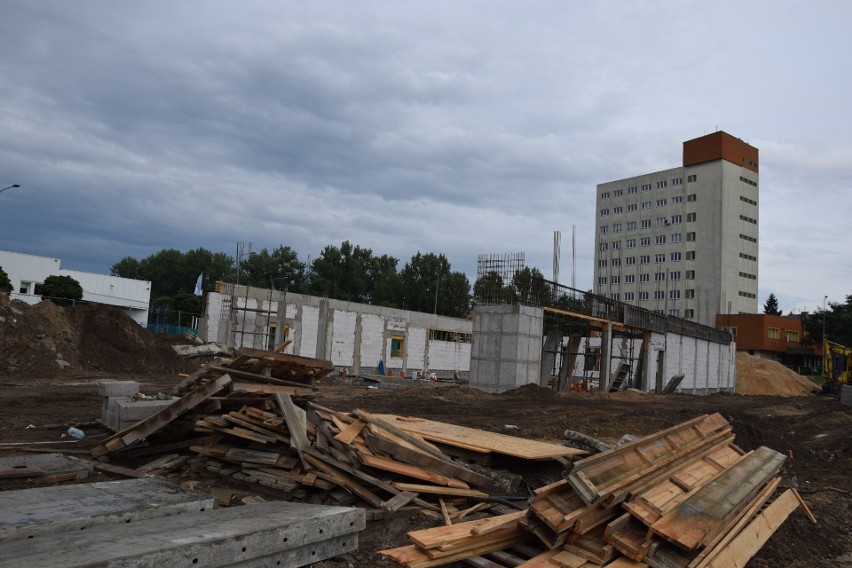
{"x":27,"y":271}
{"x":350,"y":335}
{"x":684,"y":241}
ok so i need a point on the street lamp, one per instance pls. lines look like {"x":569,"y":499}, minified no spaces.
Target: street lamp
{"x":10,"y":187}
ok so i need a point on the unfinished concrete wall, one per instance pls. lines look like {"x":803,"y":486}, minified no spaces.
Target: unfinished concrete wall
{"x":507,"y":347}
{"x":350,"y":335}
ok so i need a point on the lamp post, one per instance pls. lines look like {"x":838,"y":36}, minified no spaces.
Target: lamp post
{"x":823,"y":319}
{"x":10,"y":187}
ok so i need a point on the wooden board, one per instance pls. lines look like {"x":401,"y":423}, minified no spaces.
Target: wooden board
{"x":481,"y":440}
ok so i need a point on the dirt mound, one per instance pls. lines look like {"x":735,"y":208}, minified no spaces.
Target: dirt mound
{"x":87,"y":337}
{"x":766,"y":377}
{"x":531,"y":391}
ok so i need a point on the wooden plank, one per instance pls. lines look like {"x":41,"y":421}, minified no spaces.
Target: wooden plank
{"x":481,"y":440}
{"x":439,"y":490}
{"x":348,"y":434}
{"x":698,"y":518}
{"x":296,"y":420}
{"x":153,"y":423}
{"x":396,"y":431}
{"x":498,"y":523}
{"x":387,"y":464}
{"x":399,"y":501}
{"x":746,"y":544}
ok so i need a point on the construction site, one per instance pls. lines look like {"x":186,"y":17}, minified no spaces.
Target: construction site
{"x":582,"y":433}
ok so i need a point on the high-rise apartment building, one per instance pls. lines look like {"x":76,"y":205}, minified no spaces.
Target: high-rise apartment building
{"x":683,"y":241}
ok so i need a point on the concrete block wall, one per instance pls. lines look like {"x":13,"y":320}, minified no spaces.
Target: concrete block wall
{"x":506,"y":348}
{"x":121,"y":410}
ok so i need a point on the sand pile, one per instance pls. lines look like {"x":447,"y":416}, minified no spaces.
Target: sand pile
{"x":762,"y":376}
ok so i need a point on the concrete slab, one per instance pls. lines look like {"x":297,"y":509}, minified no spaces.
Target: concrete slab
{"x":34,"y":513}
{"x":138,"y":410}
{"x":46,"y":464}
{"x":252,"y":535}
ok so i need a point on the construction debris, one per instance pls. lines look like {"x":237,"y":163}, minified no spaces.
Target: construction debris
{"x":682,"y":497}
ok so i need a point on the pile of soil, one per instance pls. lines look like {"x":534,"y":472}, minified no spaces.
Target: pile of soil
{"x":46,"y":337}
{"x":763,"y":376}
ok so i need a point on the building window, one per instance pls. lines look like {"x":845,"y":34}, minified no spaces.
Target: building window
{"x":452,"y":336}
{"x":631,"y":190}
{"x":676,"y":238}
{"x":674,"y":275}
{"x":747,"y":200}
{"x":616,"y":245}
{"x":674,"y":312}
{"x":397,"y":349}
{"x":602,"y":263}
{"x":689,"y":293}
{"x":774,"y":333}
{"x":631,"y":226}
{"x":690,"y":236}
{"x":675,"y":257}
{"x":645,"y":259}
{"x":748,"y":238}
{"x":660,"y":277}
{"x":692,"y":178}
{"x":644,"y":278}
{"x":746,"y":294}
{"x":677,"y":219}
{"x":689,"y":313}
{"x":605,"y":195}
{"x":690,"y":255}
{"x":645,"y":241}
{"x":677,"y":181}
{"x":631,"y":243}
{"x":604,"y":246}
{"x":629,"y":296}
{"x":690,"y":275}
{"x":630,"y":279}
{"x":630,"y":260}
{"x":661,"y":239}
{"x":674,"y":294}
{"x":646,"y":187}
{"x":604,"y":212}
{"x":748,"y":181}
{"x":660,"y":258}
{"x":659,"y":295}
{"x":692,"y":197}
{"x":690,"y":217}
{"x":748,"y":256}
{"x":677,"y":199}
{"x":614,"y":280}
{"x":601,"y":280}
{"x":616,"y":228}
{"x":646,"y":205}
{"x":643,"y":296}
{"x":661,"y":221}
{"x":792,"y":336}
{"x":616,"y":262}
{"x":646,"y":223}
{"x":614,"y":296}
{"x":618,"y":193}
{"x":748,"y":276}
{"x":617,"y":210}
{"x":662,"y":184}
{"x":748,"y":219}
{"x":661,"y":203}
{"x":632,"y":207}
{"x":604,"y":229}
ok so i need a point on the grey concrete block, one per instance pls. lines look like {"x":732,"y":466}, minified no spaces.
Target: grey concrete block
{"x":117,"y":388}
{"x":136,"y":410}
{"x":34,"y":513}
{"x":222,"y":537}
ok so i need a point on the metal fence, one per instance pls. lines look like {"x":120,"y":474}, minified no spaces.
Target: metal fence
{"x":162,"y":319}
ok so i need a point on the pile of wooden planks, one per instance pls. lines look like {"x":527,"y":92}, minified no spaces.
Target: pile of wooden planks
{"x":237,"y":420}
{"x":682,"y":497}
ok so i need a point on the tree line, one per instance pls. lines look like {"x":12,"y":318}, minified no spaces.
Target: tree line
{"x":348,"y":272}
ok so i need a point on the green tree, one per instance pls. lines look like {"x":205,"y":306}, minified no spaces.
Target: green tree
{"x":280,"y":269}
{"x":429,"y":285}
{"x":127,"y":267}
{"x":530,"y":287}
{"x":61,"y":290}
{"x":838,"y":323}
{"x":490,"y":289}
{"x":5,"y":283}
{"x":386,"y":283}
{"x":455,"y":299}
{"x":188,"y":303}
{"x":342,"y":273}
{"x":771,"y":306}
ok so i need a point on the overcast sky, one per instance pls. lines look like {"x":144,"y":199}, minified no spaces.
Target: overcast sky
{"x":451,"y":127}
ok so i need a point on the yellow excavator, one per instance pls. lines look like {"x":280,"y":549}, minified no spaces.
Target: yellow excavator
{"x":837,"y":366}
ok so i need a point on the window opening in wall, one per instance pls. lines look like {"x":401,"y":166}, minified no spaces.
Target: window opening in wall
{"x":792,"y":335}
{"x":774,"y":333}
{"x":397,"y":346}
{"x":452,"y":336}
{"x":270,"y":337}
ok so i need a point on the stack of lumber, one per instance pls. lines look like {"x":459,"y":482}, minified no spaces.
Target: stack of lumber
{"x":682,"y":497}
{"x":237,"y":421}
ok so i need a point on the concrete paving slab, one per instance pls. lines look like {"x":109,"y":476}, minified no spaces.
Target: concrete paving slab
{"x":46,"y":464}
{"x":34,"y":513}
{"x":221,"y":537}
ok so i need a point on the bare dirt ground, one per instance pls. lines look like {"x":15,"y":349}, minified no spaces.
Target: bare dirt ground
{"x":39,"y":400}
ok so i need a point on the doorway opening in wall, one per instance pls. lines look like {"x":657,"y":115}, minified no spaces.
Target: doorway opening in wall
{"x":397,"y":346}
{"x":270,"y":336}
